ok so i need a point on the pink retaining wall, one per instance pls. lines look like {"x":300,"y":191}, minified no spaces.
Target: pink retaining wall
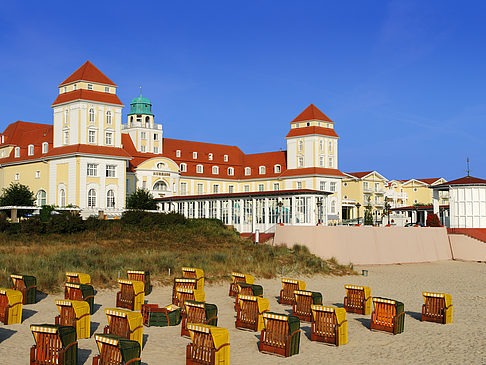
{"x":369,"y":245}
{"x":466,"y":248}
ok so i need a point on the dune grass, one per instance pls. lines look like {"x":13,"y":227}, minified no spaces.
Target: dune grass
{"x":107,"y":253}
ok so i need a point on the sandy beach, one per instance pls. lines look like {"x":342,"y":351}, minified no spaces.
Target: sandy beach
{"x":464,"y":341}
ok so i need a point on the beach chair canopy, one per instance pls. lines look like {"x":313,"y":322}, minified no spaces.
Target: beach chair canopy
{"x":10,"y":306}
{"x":250,"y":289}
{"x":288,"y":288}
{"x":75,"y":291}
{"x":210,"y":310}
{"x":143,"y":276}
{"x":77,"y":277}
{"x":388,"y":315}
{"x":184,"y":294}
{"x":82,"y":318}
{"x":281,"y":334}
{"x":329,"y":324}
{"x":242,"y":278}
{"x":250,"y":312}
{"x":27,"y":284}
{"x":358,"y":299}
{"x":54,"y":344}
{"x":303,"y":301}
{"x":125,"y":323}
{"x":188,"y":283}
{"x":129,"y":349}
{"x":219,"y":337}
{"x":437,"y":307}
{"x":193,"y":273}
{"x":131,"y":294}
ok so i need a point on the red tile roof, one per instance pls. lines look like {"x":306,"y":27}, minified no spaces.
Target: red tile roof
{"x":15,"y":133}
{"x":311,"y":113}
{"x":359,"y":175}
{"x":312,"y":171}
{"x":466,"y":180}
{"x":88,"y":149}
{"x":305,"y":131}
{"x":90,"y":95}
{"x":429,"y":181}
{"x":88,"y":72}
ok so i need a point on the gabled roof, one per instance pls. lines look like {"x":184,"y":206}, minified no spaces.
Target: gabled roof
{"x":313,"y":171}
{"x":88,"y":72}
{"x":15,"y":132}
{"x":312,"y":113}
{"x":359,"y":175}
{"x":428,"y":181}
{"x":89,"y":95}
{"x":466,"y":180}
{"x":312,"y":130}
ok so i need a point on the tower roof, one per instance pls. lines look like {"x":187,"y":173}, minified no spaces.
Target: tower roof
{"x":312,"y":113}
{"x":88,"y":72}
{"x":140,"y":105}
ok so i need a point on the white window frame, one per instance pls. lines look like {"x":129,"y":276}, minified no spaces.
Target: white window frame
{"x":91,"y":115}
{"x":143,"y":135}
{"x":194,"y":155}
{"x":246,"y":188}
{"x":92,"y":195}
{"x":30,"y":150}
{"x":277,"y":169}
{"x":199,"y":169}
{"x":200,"y":189}
{"x":45,"y":147}
{"x":231,"y":189}
{"x":91,"y":136}
{"x":62,"y":197}
{"x":332,"y":186}
{"x":108,"y":117}
{"x":262,"y":170}
{"x":142,"y":148}
{"x":92,"y":169}
{"x":210,"y":156}
{"x":37,"y":174}
{"x":247,"y":171}
{"x":231,"y":171}
{"x":276,"y":187}
{"x":110,"y":199}
{"x":66,"y":137}
{"x":178,"y":153}
{"x":183,"y":167}
{"x":300,"y":145}
{"x":331,"y":162}
{"x":66,"y":116}
{"x":215,"y":170}
{"x":225,"y":158}
{"x":17,"y":152}
{"x":322,"y":186}
{"x":261,"y":187}
{"x":298,"y":185}
{"x":107,"y":89}
{"x":41,"y":198}
{"x":300,"y":161}
{"x":110,"y":171}
{"x":156,"y":149}
{"x":215,"y":189}
{"x":109,"y":138}
{"x":17,"y":176}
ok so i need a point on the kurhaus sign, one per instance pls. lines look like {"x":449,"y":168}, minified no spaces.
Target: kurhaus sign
{"x":156,"y":173}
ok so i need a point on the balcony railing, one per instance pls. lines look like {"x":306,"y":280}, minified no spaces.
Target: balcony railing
{"x":141,"y":125}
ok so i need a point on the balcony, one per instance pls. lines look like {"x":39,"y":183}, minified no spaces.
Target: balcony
{"x":141,"y":125}
{"x":367,"y":190}
{"x":380,"y":191}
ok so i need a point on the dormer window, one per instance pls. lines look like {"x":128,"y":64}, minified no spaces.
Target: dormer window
{"x":65,"y":89}
{"x":210,"y":157}
{"x":308,"y":124}
{"x":74,"y":86}
{"x":45,"y":147}
{"x":215,"y":170}
{"x":262,"y":170}
{"x":31,"y":149}
{"x":90,"y":86}
{"x":107,"y":89}
{"x":277,"y":169}
{"x":199,"y":169}
{"x":231,"y":171}
{"x":183,"y":167}
{"x":225,"y":158}
{"x":247,"y":171}
{"x":17,"y":151}
{"x":178,"y":153}
{"x":194,"y":155}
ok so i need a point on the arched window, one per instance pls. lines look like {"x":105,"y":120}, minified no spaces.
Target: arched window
{"x":160,"y":186}
{"x":17,"y":151}
{"x":247,"y":171}
{"x":215,"y":170}
{"x":91,"y":198}
{"x":41,"y":198}
{"x":183,"y":167}
{"x":199,"y":169}
{"x":147,"y":122}
{"x":277,"y":169}
{"x":262,"y":170}
{"x":31,"y":149}
{"x":231,"y":171}
{"x":110,"y":199}
{"x":45,"y":147}
{"x":131,"y":121}
{"x":91,"y":115}
{"x":62,"y":198}
{"x":108,"y":117}
{"x":210,"y":156}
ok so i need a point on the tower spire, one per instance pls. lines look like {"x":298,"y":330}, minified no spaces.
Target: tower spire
{"x":467,"y":166}
{"x":140,"y":90}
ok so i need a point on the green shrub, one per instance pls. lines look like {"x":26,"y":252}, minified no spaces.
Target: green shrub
{"x":45,"y":212}
{"x":66,"y":222}
{"x":33,"y":225}
{"x":3,"y":222}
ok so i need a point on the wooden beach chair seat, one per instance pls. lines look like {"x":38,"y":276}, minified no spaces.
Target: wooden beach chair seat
{"x":281,"y":335}
{"x":27,"y":284}
{"x":54,"y":344}
{"x":358,"y":299}
{"x":437,"y":307}
{"x":193,"y":273}
{"x":115,"y":350}
{"x":304,"y":299}
{"x":185,"y":294}
{"x":210,"y":345}
{"x":74,"y":313}
{"x":250,"y":312}
{"x":124,"y":323}
{"x":248,"y":289}
{"x":10,"y":306}
{"x":198,"y":313}
{"x":131,"y":295}
{"x":75,"y":291}
{"x":288,"y":288}
{"x":143,"y":276}
{"x":77,"y":277}
{"x":239,"y":278}
{"x":388,"y":315}
{"x":186,"y":283}
{"x":161,"y":317}
{"x":329,"y":325}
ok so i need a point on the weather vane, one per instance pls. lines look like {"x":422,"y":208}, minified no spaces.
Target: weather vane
{"x":140,"y":90}
{"x":467,"y":169}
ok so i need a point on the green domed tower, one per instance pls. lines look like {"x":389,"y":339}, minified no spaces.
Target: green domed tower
{"x":140,"y":105}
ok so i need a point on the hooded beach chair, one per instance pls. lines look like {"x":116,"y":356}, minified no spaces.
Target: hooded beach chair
{"x":303,"y":301}
{"x":27,"y":284}
{"x":437,"y":307}
{"x":198,"y":313}
{"x":210,"y":345}
{"x":131,"y":295}
{"x":77,"y":277}
{"x":193,"y":273}
{"x":288,"y":288}
{"x":184,"y":294}
{"x":54,"y":344}
{"x":329,"y":325}
{"x":74,"y":313}
{"x":161,"y":317}
{"x":388,"y":316}
{"x":250,"y":312}
{"x":74,"y":291}
{"x":182,"y":283}
{"x":281,"y":335}
{"x":124,"y":323}
{"x":357,"y":299}
{"x":115,"y":350}
{"x":248,"y":289}
{"x":10,"y":306}
{"x":143,"y":276}
{"x":239,"y":278}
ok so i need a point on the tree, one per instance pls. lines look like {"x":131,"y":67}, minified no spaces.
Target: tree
{"x":141,"y":199}
{"x":433,"y":220}
{"x":17,"y":194}
{"x":368,"y":215}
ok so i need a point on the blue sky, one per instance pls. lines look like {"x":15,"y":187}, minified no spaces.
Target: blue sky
{"x":404,"y":81}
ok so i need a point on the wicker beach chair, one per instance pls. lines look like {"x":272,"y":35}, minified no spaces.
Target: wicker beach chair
{"x":281,"y":335}
{"x":288,"y":288}
{"x":388,"y":316}
{"x":74,"y":291}
{"x":74,"y":313}
{"x":124,"y":323}
{"x":116,"y":350}
{"x":161,"y":317}
{"x":182,"y":283}
{"x":54,"y":344}
{"x":77,"y":277}
{"x":303,"y":301}
{"x":193,"y":273}
{"x":357,"y":299}
{"x":239,"y":278}
{"x":198,"y":313}
{"x":10,"y":306}
{"x":143,"y":276}
{"x":184,"y":294}
{"x":131,"y":295}
{"x":250,"y":312}
{"x":210,"y":345}
{"x":329,"y":325}
{"x":248,"y":289}
{"x":27,"y":284}
{"x":437,"y":307}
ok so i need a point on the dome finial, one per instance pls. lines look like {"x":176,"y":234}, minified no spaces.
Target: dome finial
{"x":140,"y":90}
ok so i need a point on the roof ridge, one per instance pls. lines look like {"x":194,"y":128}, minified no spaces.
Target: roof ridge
{"x":88,"y":72}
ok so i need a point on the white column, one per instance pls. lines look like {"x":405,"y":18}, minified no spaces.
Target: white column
{"x":314,"y":210}
{"x":253,"y":215}
{"x":292,"y":205}
{"x":267,"y":215}
{"x":435,"y":201}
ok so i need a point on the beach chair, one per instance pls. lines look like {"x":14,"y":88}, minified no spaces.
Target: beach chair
{"x":329,"y":325}
{"x":388,"y":315}
{"x":182,"y":283}
{"x":74,"y":313}
{"x":143,"y":276}
{"x":77,"y":277}
{"x":288,"y":288}
{"x":54,"y":344}
{"x":27,"y":284}
{"x":303,"y":301}
{"x":281,"y":335}
{"x":124,"y":323}
{"x":210,"y":345}
{"x":131,"y":295}
{"x":250,"y":312}
{"x":161,"y":317}
{"x":357,"y":299}
{"x":74,"y":291}
{"x":193,"y":273}
{"x":183,"y":295}
{"x":239,"y":278}
{"x":116,"y":350}
{"x":248,"y":289}
{"x":437,"y":307}
{"x":10,"y":306}
{"x":198,"y":313}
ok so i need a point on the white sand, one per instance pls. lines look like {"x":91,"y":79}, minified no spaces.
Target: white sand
{"x":463,"y":342}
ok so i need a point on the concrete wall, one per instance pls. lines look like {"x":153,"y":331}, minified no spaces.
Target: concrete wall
{"x":466,"y":248}
{"x":369,"y":245}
